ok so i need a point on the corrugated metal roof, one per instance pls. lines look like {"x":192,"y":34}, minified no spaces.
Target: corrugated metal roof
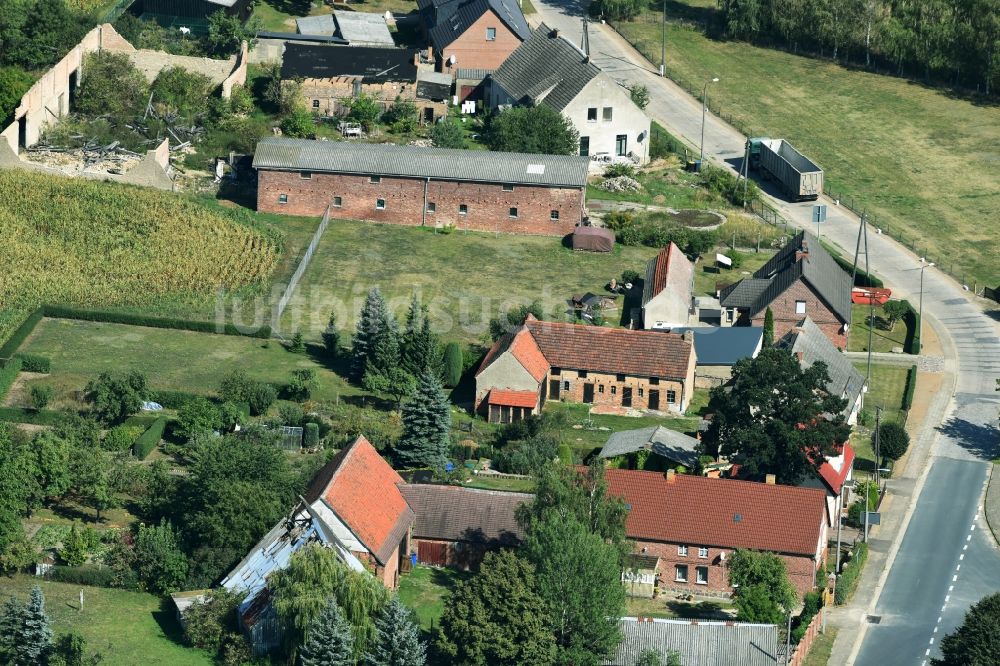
{"x":363,"y":28}
{"x":670,"y":444}
{"x":724,"y":345}
{"x":545,"y":69}
{"x":385,"y":159}
{"x":315,"y":25}
{"x":473,"y":74}
{"x":698,"y":642}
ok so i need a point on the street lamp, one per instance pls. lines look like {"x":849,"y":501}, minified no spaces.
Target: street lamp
{"x":704,"y":104}
{"x":920,"y":312}
{"x":663,"y":41}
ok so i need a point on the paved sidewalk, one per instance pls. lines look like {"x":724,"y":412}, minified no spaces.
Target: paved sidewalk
{"x":992,"y":504}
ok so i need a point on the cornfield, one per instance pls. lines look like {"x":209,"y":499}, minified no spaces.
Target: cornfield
{"x":95,"y":244}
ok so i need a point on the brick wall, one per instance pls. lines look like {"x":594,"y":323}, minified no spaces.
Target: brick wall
{"x":473,"y":51}
{"x":488,"y":206}
{"x":801,"y":569}
{"x":608,"y":390}
{"x":786,"y":318}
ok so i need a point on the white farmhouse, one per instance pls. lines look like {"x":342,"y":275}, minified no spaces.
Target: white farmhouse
{"x":548,"y":69}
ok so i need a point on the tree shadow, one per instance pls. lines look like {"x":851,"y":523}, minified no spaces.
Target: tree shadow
{"x":166,"y":617}
{"x":982,"y":441}
{"x":293,"y":7}
{"x":705,"y":610}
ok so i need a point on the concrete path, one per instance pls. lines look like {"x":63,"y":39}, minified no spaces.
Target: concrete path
{"x":931,"y":558}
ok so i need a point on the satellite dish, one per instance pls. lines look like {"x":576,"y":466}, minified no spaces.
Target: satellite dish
{"x":451,"y":60}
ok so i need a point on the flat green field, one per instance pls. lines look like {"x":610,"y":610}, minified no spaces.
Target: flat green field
{"x":176,"y":360}
{"x":127,"y":628}
{"x":923,"y":161}
{"x":464,"y":277}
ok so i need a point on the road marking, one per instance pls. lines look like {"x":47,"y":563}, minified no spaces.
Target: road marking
{"x":935,"y":629}
{"x":951,"y":587}
{"x":965,"y":547}
{"x":942,"y":607}
{"x":968,"y":538}
{"x":932,"y":640}
{"x":947,"y":597}
{"x":940,"y":616}
{"x":958,"y":567}
{"x":961,"y":557}
{"x":973,"y":527}
{"x":954,"y":578}
{"x":927,"y":653}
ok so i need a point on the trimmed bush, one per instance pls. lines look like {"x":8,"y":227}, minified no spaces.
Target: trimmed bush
{"x":311,"y":436}
{"x":34,"y":362}
{"x":87,"y":574}
{"x":849,"y":575}
{"x":21,"y":334}
{"x":148,"y":440}
{"x":453,"y":364}
{"x":911,"y":386}
{"x":42,"y":417}
{"x":8,"y":374}
{"x":62,"y":312}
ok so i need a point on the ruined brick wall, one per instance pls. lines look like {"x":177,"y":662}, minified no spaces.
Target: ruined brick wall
{"x":487,"y":205}
{"x":609,"y":389}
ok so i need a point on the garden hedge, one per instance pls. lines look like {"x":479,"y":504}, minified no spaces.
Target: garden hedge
{"x":34,"y":362}
{"x":8,"y":374}
{"x":44,"y":417}
{"x":148,"y":440}
{"x":861,"y":278}
{"x":62,"y":312}
{"x":849,"y":575}
{"x":911,"y":386}
{"x":87,"y":574}
{"x":18,"y":337}
{"x":172,"y":399}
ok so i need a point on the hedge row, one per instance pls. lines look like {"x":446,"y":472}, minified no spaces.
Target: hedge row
{"x":87,"y":574}
{"x":148,"y":440}
{"x":911,"y":386}
{"x":911,"y":345}
{"x":850,"y":574}
{"x":18,"y":337}
{"x":34,"y":362}
{"x":861,"y":278}
{"x":8,"y":374}
{"x":62,"y":312}
{"x":172,"y":399}
{"x":18,"y":415}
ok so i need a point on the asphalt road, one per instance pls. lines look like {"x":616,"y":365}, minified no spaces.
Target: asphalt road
{"x":943,"y":558}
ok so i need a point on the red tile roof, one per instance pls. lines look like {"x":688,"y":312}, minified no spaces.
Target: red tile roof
{"x":674,"y":268}
{"x":523,"y":347}
{"x":725,"y":513}
{"x":612,"y":350}
{"x":527,"y":399}
{"x":833,"y":479}
{"x":362,"y":489}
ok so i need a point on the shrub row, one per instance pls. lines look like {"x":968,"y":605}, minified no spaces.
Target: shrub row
{"x":172,"y":399}
{"x":911,"y":386}
{"x":18,"y":415}
{"x":148,"y":440}
{"x":62,"y":312}
{"x":21,"y":334}
{"x":850,"y":574}
{"x":911,"y":345}
{"x":861,"y":278}
{"x":34,"y":362}
{"x":8,"y":373}
{"x":812,"y":603}
{"x":87,"y":574}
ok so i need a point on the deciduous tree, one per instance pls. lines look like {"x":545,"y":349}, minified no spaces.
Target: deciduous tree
{"x":116,"y":396}
{"x":160,"y":563}
{"x":893,"y":440}
{"x":764,"y":593}
{"x":113,"y":86}
{"x":531,"y":129}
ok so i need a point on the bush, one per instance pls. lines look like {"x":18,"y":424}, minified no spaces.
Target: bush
{"x":121,"y":438}
{"x":619,"y":169}
{"x":453,"y":363}
{"x":195,"y":417}
{"x":298,"y":124}
{"x":310,"y":436}
{"x":290,"y":415}
{"x":531,"y":129}
{"x":401,"y":116}
{"x":893,"y":440}
{"x":239,"y":388}
{"x":565,"y":454}
{"x":41,"y":396}
{"x":148,"y":440}
{"x":854,"y":513}
{"x":849,"y":575}
{"x":181,"y":91}
{"x":812,"y":603}
{"x":861,"y":278}
{"x":302,"y":385}
{"x":639,"y":95}
{"x":88,"y":574}
{"x":617,"y":220}
{"x":448,"y":135}
{"x":241,"y":100}
{"x":34,"y":362}
{"x":366,"y":110}
{"x":911,"y":386}
{"x":113,"y":86}
{"x":663,"y":144}
{"x":172,"y":399}
{"x":526,"y":456}
{"x":32,"y":416}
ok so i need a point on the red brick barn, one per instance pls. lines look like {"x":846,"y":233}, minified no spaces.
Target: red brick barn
{"x":435,"y":187}
{"x":472,"y":34}
{"x":693,"y":524}
{"x":801,"y":280}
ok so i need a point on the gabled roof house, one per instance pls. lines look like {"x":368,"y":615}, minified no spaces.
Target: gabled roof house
{"x":801,"y":280}
{"x":610,"y":367}
{"x":472,"y":34}
{"x":548,"y":69}
{"x":668,"y":289}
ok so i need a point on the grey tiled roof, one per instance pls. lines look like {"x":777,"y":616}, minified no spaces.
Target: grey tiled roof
{"x":386,"y":159}
{"x":724,"y":345}
{"x":472,"y":73}
{"x":316,"y":25}
{"x":453,"y":513}
{"x":670,"y":444}
{"x":698,"y":642}
{"x":810,"y":341}
{"x":823,"y":274}
{"x":545,"y":69}
{"x":454,"y":18}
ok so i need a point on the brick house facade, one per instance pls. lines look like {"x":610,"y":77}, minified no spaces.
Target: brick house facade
{"x":601,"y":388}
{"x":474,"y":49}
{"x":693,"y":524}
{"x":478,"y":201}
{"x":472,"y":34}
{"x":796,"y":302}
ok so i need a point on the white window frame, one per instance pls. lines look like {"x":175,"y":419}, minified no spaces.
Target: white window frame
{"x":677,"y":573}
{"x":800,"y":307}
{"x":682,"y":551}
{"x":698,"y":571}
{"x":283,"y":199}
{"x":338,"y":202}
{"x":703,"y":552}
{"x":380,"y":204}
{"x":491,"y":34}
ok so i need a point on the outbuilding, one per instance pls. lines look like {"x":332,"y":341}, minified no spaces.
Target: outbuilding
{"x":593,"y":239}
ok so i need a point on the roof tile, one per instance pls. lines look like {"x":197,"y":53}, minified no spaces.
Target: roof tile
{"x":451,"y":513}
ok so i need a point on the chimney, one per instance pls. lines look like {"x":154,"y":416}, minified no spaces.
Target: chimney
{"x":554,"y":34}
{"x":670,"y":475}
{"x":769,"y":479}
{"x":800,"y":355}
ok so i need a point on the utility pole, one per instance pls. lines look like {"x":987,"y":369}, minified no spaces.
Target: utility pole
{"x":878,"y":423}
{"x":663,"y":41}
{"x":704,"y":106}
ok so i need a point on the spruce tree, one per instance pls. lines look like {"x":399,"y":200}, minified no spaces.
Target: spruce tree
{"x":397,"y":641}
{"x":370,"y":323}
{"x":329,"y":641}
{"x":27,"y":635}
{"x":419,"y":345}
{"x":331,"y":336}
{"x":426,"y":426}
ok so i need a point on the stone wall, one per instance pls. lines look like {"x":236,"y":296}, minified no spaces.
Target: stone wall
{"x":487,"y":205}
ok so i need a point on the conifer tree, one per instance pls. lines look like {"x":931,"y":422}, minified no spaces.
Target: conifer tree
{"x":768,"y":328}
{"x":397,"y":641}
{"x":426,"y":426}
{"x":419,"y":346}
{"x":26,"y":635}
{"x":329,"y":641}
{"x":331,"y":336}
{"x":370,"y":323}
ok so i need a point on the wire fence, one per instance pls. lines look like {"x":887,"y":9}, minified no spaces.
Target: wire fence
{"x":300,"y":270}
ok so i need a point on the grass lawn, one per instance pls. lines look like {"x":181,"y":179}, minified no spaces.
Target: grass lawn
{"x":707,"y":276}
{"x":510,"y":485}
{"x":885,"y":390}
{"x":930,"y":172}
{"x":171,"y":359}
{"x":280,"y":15}
{"x":465,"y":278}
{"x":883,"y":340}
{"x":127,"y":628}
{"x":425,"y":589}
{"x":822,"y":647}
{"x":598,"y":427}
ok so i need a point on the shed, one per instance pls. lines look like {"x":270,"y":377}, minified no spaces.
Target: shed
{"x":594,"y":239}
